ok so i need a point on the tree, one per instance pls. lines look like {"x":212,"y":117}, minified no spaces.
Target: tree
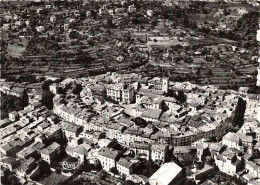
{"x":46,"y":84}
{"x":77,"y":89}
{"x":9,"y":178}
{"x":237,"y":117}
{"x":24,"y":99}
{"x":73,"y":34}
{"x":154,"y":23}
{"x":128,"y":182}
{"x":114,"y":170}
{"x":9,"y":104}
{"x":47,"y":101}
{"x":123,"y":177}
{"x":209,"y":72}
{"x":102,"y":175}
{"x":44,"y":168}
{"x":189,"y":182}
{"x":109,"y":23}
{"x":198,"y":71}
{"x":187,"y":60}
{"x":139,"y":122}
{"x":91,"y":42}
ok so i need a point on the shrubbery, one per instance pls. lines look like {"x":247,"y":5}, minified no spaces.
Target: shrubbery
{"x":11,"y":103}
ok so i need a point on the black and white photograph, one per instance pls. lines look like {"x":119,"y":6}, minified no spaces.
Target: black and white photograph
{"x":130,"y":92}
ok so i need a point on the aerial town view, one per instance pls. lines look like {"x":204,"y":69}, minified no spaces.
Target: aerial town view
{"x":130,"y":92}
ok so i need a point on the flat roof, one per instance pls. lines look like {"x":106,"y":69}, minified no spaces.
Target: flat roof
{"x":166,"y":173}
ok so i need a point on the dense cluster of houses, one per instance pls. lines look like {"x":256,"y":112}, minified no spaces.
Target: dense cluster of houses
{"x":196,"y":127}
{"x":120,"y":121}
